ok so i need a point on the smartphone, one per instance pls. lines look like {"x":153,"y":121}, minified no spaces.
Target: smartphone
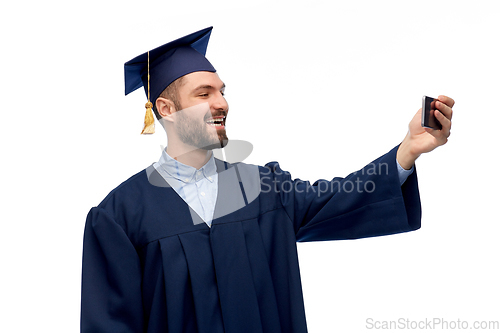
{"x":428,"y":118}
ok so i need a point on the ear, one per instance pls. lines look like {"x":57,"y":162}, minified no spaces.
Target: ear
{"x":165,"y":107}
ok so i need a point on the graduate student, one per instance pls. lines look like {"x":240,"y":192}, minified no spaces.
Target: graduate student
{"x":196,"y":244}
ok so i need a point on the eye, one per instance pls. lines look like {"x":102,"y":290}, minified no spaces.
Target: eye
{"x":203,"y":95}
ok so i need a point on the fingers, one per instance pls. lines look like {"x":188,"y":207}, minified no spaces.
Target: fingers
{"x":445,"y":123}
{"x":445,"y":109}
{"x":446,"y":100}
{"x":445,"y":113}
{"x":442,"y":135}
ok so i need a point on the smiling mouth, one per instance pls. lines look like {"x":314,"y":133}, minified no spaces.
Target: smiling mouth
{"x":217,"y":122}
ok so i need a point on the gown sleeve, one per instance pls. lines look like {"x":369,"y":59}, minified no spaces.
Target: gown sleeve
{"x":367,"y":203}
{"x":111,"y":278}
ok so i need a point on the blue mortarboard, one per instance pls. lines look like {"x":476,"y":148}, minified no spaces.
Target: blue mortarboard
{"x":165,"y":64}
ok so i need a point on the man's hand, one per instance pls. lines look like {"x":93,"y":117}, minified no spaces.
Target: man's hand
{"x":420,"y":140}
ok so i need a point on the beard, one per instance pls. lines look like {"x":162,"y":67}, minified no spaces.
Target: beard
{"x":198,"y":134}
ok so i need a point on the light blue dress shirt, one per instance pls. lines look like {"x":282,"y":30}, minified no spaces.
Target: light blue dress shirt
{"x":198,"y":188}
{"x":403,"y":173}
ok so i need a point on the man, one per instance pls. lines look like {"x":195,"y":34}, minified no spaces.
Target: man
{"x":196,"y":244}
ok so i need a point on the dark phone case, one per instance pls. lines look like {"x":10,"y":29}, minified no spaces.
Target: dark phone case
{"x":428,"y":118}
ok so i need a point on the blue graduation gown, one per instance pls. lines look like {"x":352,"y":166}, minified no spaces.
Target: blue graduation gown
{"x":149,"y":266}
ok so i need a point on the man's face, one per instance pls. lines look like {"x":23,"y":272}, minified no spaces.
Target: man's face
{"x":201,"y":122}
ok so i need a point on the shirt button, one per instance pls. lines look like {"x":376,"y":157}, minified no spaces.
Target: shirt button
{"x":209,"y":178}
{"x":202,"y":193}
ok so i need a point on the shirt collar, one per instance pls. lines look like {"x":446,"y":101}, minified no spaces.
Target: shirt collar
{"x":186,"y":173}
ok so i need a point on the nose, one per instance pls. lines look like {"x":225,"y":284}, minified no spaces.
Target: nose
{"x":220,"y":103}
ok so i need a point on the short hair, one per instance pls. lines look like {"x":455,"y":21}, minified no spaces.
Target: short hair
{"x":172,"y":93}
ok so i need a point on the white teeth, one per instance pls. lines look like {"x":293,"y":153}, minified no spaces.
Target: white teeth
{"x":215,"y":122}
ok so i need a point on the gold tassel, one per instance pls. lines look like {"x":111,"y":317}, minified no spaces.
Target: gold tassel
{"x":149,"y":120}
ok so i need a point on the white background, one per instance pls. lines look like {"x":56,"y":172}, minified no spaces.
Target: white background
{"x":323,"y":87}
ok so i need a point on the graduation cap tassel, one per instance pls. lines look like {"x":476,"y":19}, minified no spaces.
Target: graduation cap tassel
{"x":149,"y":120}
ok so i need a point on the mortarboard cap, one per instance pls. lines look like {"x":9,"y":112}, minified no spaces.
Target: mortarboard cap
{"x":158,"y":68}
